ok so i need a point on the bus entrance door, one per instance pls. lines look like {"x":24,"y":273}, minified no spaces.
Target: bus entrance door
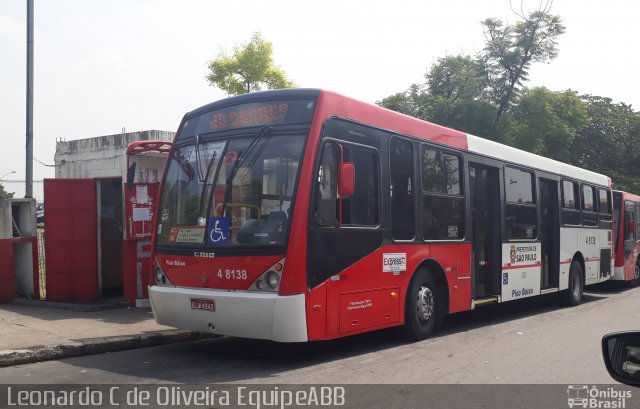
{"x":550,"y":233}
{"x":485,"y":218}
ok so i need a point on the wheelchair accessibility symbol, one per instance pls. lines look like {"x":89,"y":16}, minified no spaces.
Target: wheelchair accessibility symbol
{"x":219,"y":230}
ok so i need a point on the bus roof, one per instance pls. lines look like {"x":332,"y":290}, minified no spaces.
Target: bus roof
{"x":332,"y":103}
{"x":517,"y":156}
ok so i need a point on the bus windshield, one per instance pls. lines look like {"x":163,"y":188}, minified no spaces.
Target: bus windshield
{"x":231,"y":192}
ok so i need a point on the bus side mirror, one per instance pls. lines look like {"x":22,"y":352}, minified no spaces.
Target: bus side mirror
{"x":347,"y":183}
{"x":621,"y":353}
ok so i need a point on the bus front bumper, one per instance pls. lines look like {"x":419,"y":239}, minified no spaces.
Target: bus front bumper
{"x":239,"y":314}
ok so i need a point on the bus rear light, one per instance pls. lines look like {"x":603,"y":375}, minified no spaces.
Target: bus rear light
{"x":270,"y":279}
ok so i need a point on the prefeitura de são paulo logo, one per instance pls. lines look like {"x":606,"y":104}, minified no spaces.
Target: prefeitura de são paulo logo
{"x":584,"y":396}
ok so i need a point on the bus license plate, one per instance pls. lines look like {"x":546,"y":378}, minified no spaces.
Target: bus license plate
{"x":202,"y":304}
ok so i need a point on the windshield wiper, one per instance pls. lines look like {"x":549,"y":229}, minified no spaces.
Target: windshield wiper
{"x":207,"y":186}
{"x":241,"y":158}
{"x":201,"y":178}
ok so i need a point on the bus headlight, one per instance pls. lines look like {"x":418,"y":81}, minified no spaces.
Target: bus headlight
{"x":273,"y":279}
{"x":159,"y":275}
{"x":270,"y":279}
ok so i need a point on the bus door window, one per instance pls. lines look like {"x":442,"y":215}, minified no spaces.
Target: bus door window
{"x":484,"y":188}
{"x":550,"y":232}
{"x":605,"y":222}
{"x":326,"y":197}
{"x":618,"y":222}
{"x":344,"y":228}
{"x":401,"y":189}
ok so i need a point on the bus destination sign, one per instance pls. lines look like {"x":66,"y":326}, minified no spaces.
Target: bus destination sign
{"x":259,"y":113}
{"x":248,"y":115}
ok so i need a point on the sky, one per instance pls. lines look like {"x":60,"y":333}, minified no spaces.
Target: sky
{"x":105,"y":65}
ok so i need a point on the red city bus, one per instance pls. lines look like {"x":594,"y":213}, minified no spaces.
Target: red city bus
{"x":626,"y":220}
{"x":299,"y":215}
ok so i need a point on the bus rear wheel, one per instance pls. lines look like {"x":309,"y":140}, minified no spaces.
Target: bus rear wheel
{"x":423,"y":307}
{"x":636,"y":278}
{"x":573,"y":294}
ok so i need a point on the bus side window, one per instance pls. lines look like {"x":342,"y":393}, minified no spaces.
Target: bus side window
{"x":604,"y":207}
{"x":361,"y":208}
{"x":570,"y":203}
{"x":589,"y":215}
{"x":629,"y":222}
{"x":358,"y":209}
{"x":443,"y":203}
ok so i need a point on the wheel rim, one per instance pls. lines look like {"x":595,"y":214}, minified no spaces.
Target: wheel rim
{"x":575,"y":285}
{"x":637,"y":275}
{"x":425,"y":304}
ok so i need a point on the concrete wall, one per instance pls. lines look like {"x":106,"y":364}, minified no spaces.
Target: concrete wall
{"x":23,"y":211}
{"x":105,"y":156}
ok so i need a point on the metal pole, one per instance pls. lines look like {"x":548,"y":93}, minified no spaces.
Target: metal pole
{"x":29,"y":147}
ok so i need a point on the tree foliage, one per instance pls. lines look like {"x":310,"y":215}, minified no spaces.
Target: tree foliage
{"x":478,"y":94}
{"x":4,"y":194}
{"x":511,"y":49}
{"x":486,"y":95}
{"x":250,"y":68}
{"x":546,"y":123}
{"x":609,"y":144}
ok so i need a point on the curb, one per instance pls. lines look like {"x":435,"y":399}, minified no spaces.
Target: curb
{"x":77,"y":307}
{"x":98,"y":346}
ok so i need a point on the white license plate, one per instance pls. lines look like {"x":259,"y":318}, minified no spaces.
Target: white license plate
{"x":203,"y":304}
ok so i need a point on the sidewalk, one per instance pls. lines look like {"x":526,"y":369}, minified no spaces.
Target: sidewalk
{"x":33,"y":331}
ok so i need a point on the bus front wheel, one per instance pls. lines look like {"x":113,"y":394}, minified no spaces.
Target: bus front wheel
{"x":423,"y":306}
{"x":573,"y":294}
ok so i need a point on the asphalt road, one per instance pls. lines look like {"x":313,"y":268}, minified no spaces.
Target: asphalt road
{"x":531,"y":341}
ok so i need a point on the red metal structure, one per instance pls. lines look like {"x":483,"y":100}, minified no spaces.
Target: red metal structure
{"x":627,"y":237}
{"x":98,"y":230}
{"x":140,"y":206}
{"x":299,"y":215}
{"x":71,"y":246}
{"x":7,"y":273}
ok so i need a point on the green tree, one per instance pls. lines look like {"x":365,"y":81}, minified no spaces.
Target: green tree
{"x":456,"y":78}
{"x":456,"y":88}
{"x":475,"y":95}
{"x":451,"y":96}
{"x":250,"y":68}
{"x":546,"y":123}
{"x":412,"y":102}
{"x":4,"y":194}
{"x":511,"y":49}
{"x":609,"y":144}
